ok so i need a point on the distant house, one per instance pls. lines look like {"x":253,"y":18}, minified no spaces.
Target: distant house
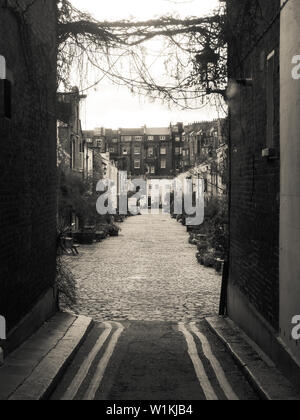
{"x":132,"y":151}
{"x":204,"y":149}
{"x":71,"y":141}
{"x":158,"y":152}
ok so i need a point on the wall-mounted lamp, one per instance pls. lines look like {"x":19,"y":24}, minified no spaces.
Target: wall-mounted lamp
{"x":5,"y":91}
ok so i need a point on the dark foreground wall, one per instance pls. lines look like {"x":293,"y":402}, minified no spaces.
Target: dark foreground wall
{"x":28,"y":157}
{"x":255,"y":180}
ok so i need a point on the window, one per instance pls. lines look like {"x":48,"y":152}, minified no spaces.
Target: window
{"x":152,"y":169}
{"x":137,"y":150}
{"x":138,"y":138}
{"x":162,"y":138}
{"x":126,"y":138}
{"x":150,"y":138}
{"x":150,"y":152}
{"x":115,"y":140}
{"x":177,"y":151}
{"x":163,"y":150}
{"x":137,"y":164}
{"x":112,"y":150}
{"x":163,"y":164}
{"x":177,"y":138}
{"x":270,"y":100}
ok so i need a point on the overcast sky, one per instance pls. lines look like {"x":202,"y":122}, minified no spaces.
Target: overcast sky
{"x":113,"y":107}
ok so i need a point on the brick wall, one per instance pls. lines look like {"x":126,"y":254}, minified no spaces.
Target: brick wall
{"x":28,"y":158}
{"x":157,"y":145}
{"x":255,"y":181}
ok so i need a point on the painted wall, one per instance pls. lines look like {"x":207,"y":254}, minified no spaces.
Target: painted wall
{"x":290,"y":175}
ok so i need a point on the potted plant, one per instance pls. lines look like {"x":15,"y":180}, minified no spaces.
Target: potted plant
{"x":113,"y":230}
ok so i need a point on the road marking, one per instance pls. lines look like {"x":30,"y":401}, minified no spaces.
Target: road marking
{"x":220,"y":374}
{"x":198,"y":365}
{"x":99,"y":374}
{"x":74,"y":387}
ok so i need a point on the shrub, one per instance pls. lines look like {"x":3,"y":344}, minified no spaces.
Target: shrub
{"x":76,"y":195}
{"x":113,"y":230}
{"x":209,"y":259}
{"x":217,"y":227}
{"x":215,"y":246}
{"x":66,"y":285}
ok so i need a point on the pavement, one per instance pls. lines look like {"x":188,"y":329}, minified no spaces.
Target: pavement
{"x":72,"y":358}
{"x":34,"y":369}
{"x":269,"y":383}
{"x":143,"y":361}
{"x":155,"y":334}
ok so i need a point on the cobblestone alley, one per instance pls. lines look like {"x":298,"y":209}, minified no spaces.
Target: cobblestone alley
{"x":148,"y":273}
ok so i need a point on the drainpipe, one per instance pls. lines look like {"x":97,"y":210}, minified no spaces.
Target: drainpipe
{"x":223,"y":309}
{"x":5,"y":91}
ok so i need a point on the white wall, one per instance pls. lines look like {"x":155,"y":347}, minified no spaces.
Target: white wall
{"x":290,"y":176}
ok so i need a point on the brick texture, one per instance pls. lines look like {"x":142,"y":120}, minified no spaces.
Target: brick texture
{"x":28,"y":158}
{"x":255,"y":181}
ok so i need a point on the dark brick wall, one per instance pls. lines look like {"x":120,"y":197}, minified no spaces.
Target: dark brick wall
{"x":255,"y":181}
{"x":28,"y":159}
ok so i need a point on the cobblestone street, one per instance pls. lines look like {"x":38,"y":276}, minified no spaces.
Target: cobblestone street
{"x":148,"y":273}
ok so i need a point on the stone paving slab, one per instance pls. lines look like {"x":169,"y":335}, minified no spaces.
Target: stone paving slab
{"x":264,"y":377}
{"x":31,"y":372}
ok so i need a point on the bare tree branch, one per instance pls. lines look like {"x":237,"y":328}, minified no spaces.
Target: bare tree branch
{"x":187,"y":48}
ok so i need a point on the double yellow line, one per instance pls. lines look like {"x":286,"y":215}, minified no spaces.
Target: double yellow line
{"x":203,"y":379}
{"x":95,"y":383}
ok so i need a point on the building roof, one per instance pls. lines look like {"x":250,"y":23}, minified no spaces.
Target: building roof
{"x":110,"y":132}
{"x":132,"y":131}
{"x":160,"y":131}
{"x":88,"y":133}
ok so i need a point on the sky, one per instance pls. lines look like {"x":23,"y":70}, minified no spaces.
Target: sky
{"x":112,"y":106}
